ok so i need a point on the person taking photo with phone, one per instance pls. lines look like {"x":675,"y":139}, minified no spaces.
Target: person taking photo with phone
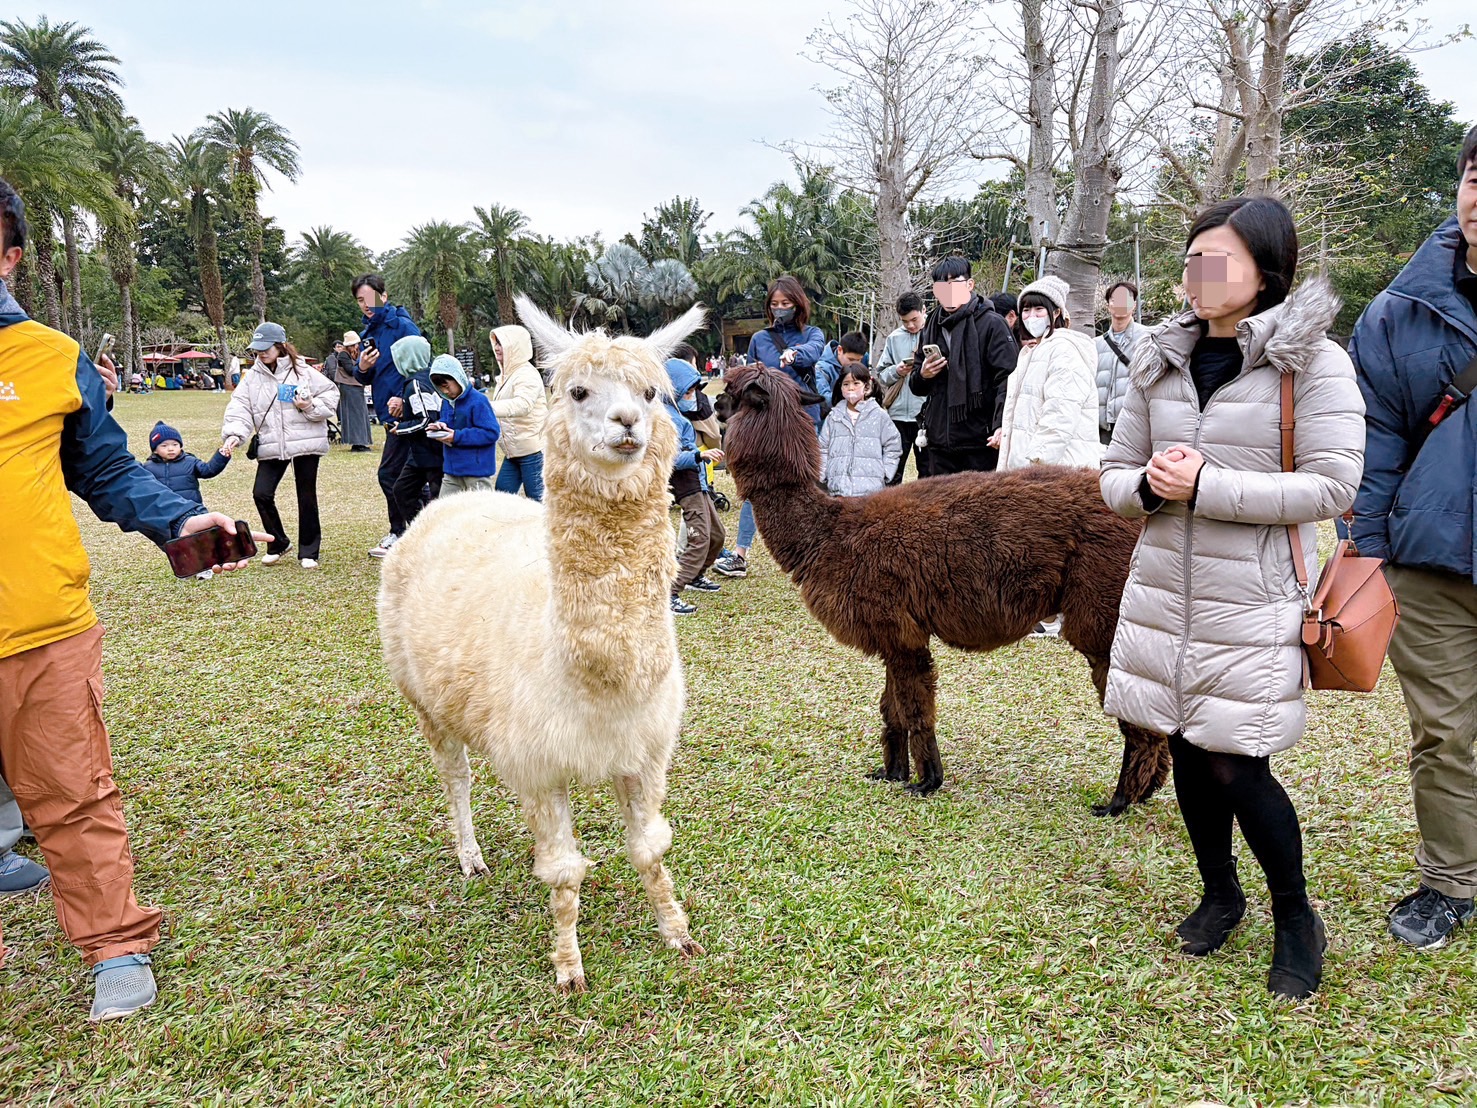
{"x":56,"y":439}
{"x":283,"y":406}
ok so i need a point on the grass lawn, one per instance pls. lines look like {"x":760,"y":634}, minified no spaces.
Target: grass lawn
{"x":993,"y":944}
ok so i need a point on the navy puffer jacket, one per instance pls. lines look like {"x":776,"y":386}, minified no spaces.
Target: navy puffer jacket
{"x":184,"y":474}
{"x":1415,"y":337}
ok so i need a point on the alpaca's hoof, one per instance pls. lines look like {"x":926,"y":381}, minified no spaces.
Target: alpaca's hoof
{"x":690,"y":948}
{"x":885,"y":774}
{"x":573,"y":985}
{"x":1115,"y":807}
{"x":474,"y":866}
{"x":924,"y":788}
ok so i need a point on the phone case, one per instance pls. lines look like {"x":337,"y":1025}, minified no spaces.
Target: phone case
{"x":191,"y":555}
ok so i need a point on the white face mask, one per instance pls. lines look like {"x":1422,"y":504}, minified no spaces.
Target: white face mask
{"x":1036,"y":325}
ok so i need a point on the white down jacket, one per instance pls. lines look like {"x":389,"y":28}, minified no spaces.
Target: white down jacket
{"x":1051,"y":405}
{"x":519,"y":400}
{"x":258,"y":407}
{"x":1208,"y":639}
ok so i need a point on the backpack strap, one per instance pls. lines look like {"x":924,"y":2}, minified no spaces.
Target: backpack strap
{"x":1452,"y":397}
{"x":1113,"y":346}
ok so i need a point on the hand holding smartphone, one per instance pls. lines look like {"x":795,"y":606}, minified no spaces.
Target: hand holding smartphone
{"x":191,"y":555}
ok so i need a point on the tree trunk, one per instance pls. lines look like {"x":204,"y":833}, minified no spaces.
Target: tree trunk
{"x":1264,"y":122}
{"x":74,"y":273}
{"x":208,"y":252}
{"x":1095,"y":177}
{"x":1040,"y":117}
{"x":125,"y":297}
{"x":506,"y":313}
{"x":21,"y":286}
{"x":258,"y":282}
{"x":892,"y":234}
{"x":42,"y":236}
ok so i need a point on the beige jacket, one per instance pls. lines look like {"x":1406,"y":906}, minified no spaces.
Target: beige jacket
{"x":256,"y":408}
{"x":1051,"y":405}
{"x":1208,"y":631}
{"x":519,"y":400}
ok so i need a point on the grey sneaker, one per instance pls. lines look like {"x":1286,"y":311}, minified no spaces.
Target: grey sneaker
{"x":383,"y":549}
{"x":702,"y":584}
{"x":1427,"y":919}
{"x":122,"y":986}
{"x":20,"y":875}
{"x":735,"y":565}
{"x":681,"y":608}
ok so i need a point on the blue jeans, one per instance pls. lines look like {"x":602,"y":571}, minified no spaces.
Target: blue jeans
{"x":747,"y":527}
{"x":527,"y":471}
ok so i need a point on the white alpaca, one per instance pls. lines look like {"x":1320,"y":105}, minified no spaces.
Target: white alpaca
{"x":556,"y":655}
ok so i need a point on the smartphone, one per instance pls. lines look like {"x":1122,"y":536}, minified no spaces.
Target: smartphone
{"x":190,"y":555}
{"x":931,"y":350}
{"x":439,"y":434}
{"x":106,"y":346}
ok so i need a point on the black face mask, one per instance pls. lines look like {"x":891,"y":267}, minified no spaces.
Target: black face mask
{"x":783,"y":317}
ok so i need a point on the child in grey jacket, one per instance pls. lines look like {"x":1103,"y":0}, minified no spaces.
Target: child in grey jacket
{"x":860,"y":446}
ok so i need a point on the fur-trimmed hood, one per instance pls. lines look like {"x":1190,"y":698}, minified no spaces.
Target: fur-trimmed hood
{"x":1287,"y":336}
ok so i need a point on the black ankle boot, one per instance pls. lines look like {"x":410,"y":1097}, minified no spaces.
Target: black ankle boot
{"x":1297,"y":951}
{"x":1221,"y":908}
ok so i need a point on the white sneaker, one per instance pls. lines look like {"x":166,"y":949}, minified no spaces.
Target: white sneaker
{"x":383,"y":548}
{"x":205,"y":576}
{"x":272,"y":559}
{"x":1049,"y":629}
{"x":308,"y":563}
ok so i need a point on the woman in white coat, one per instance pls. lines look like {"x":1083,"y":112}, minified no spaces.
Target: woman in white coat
{"x":1051,"y":401}
{"x":521,"y":406}
{"x":286,"y":404}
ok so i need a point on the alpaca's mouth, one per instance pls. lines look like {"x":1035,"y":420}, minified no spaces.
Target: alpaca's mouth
{"x":627,"y":446}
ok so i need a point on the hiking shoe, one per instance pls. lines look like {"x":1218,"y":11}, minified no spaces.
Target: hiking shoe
{"x":1427,"y":919}
{"x":122,"y":986}
{"x":384,"y":547}
{"x":20,"y":875}
{"x":735,"y":565}
{"x":702,"y":584}
{"x":681,"y":607}
{"x":308,"y":563}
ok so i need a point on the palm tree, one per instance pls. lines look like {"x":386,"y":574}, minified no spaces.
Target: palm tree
{"x":498,"y":233}
{"x":331,"y":254}
{"x":555,"y":272}
{"x":199,"y":173}
{"x":135,"y":167}
{"x":51,"y":164}
{"x":667,"y":288}
{"x":250,"y":140}
{"x":67,"y":71}
{"x":437,"y":259}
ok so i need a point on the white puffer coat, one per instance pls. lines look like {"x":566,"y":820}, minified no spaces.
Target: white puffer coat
{"x":1051,"y":405}
{"x":257,"y":409}
{"x":1208,"y":636}
{"x":519,"y":400}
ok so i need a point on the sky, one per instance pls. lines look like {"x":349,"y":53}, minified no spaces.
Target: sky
{"x":583,"y":114}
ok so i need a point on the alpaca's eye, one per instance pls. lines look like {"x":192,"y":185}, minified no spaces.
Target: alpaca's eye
{"x":579,"y":392}
{"x":650,"y":394}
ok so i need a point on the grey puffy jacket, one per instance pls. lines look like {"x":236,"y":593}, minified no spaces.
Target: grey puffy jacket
{"x":859,"y":457}
{"x":1208,"y":636}
{"x":1112,"y":374}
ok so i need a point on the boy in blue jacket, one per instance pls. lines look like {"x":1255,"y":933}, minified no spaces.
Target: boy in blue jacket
{"x":177,"y":469}
{"x":467,"y":428}
{"x":689,"y":485}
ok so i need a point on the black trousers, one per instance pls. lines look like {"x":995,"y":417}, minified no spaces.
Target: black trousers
{"x":410,"y":490}
{"x":908,"y":429}
{"x":942,"y":462}
{"x":305,"y":479}
{"x":392,"y":461}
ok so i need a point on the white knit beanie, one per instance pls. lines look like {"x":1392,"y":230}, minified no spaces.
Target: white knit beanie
{"x":1053,"y":288}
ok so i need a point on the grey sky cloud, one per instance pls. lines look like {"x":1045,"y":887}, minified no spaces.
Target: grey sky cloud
{"x":584,"y":115}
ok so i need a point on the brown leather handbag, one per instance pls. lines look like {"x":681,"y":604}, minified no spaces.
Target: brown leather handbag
{"x":1350,"y":617}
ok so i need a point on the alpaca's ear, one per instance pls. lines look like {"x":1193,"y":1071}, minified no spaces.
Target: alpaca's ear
{"x":665,"y":339}
{"x":549,"y":333}
{"x":807,"y":398}
{"x":755,"y":395}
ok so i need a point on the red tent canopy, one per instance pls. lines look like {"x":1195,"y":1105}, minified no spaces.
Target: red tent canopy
{"x":159,"y":358}
{"x":195,"y":354}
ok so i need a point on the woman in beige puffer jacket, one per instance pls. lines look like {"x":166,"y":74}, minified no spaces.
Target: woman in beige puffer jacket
{"x":1208,"y":648}
{"x":521,"y":405}
{"x":286,"y":403}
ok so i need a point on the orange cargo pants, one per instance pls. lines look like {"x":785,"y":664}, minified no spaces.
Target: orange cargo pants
{"x":55,"y":755}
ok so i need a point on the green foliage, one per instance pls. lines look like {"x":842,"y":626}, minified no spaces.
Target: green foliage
{"x":157,"y":301}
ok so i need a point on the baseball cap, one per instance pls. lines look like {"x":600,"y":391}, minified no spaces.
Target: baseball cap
{"x":265,"y":335}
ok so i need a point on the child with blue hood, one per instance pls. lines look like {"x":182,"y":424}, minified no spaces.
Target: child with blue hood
{"x":689,"y":486}
{"x":467,"y":429}
{"x":420,"y":407}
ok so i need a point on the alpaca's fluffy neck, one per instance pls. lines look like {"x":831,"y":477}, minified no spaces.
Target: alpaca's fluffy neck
{"x":611,"y":567}
{"x":796,"y":518}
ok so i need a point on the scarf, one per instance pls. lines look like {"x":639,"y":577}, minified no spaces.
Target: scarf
{"x":965,"y":349}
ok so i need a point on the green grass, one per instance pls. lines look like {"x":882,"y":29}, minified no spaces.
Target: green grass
{"x":993,"y":944}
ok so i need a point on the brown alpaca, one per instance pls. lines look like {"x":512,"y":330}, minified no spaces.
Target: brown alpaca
{"x":975,"y":560}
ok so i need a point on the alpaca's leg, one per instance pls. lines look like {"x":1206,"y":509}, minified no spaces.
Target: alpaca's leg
{"x":456,"y":775}
{"x":648,"y":837}
{"x":916,"y":684}
{"x":894,"y":735}
{"x":1145,"y":763}
{"x":558,"y":863}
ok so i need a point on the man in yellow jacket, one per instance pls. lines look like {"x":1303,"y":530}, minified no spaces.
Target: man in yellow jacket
{"x":56,"y":436}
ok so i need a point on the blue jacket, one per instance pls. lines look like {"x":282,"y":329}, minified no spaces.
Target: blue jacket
{"x":828,"y":371}
{"x":1408,"y":345}
{"x":185,"y":473}
{"x":473,"y":453}
{"x":767,"y":345}
{"x":689,"y":458}
{"x":385,"y":325}
{"x":96,"y":463}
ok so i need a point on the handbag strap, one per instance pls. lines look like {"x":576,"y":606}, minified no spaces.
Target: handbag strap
{"x":1286,"y":425}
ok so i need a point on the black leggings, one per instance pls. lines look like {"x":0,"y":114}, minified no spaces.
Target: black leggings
{"x":269,"y":474}
{"x":1213,"y":789}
